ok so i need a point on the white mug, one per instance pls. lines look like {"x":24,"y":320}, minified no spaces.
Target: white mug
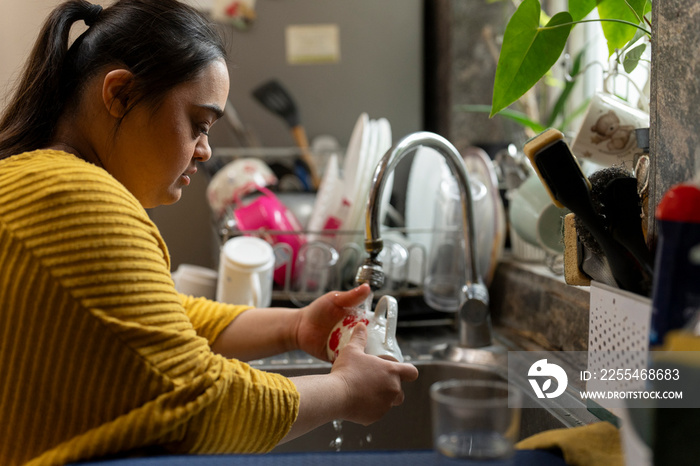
{"x":195,"y":280}
{"x":535,"y":218}
{"x":381,"y":331}
{"x":245,"y":272}
{"x":607,"y":136}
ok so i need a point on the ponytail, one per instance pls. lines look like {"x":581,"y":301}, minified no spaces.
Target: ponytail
{"x":179,"y":44}
{"x":40,"y":95}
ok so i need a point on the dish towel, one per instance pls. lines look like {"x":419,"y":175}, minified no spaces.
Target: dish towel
{"x":591,"y":445}
{"x":680,"y":340}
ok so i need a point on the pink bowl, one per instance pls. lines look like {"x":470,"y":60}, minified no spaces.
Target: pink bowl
{"x":270,"y":216}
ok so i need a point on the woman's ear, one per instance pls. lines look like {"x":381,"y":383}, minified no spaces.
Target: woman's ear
{"x":115,"y":91}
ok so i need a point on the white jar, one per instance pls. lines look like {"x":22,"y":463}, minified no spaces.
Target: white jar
{"x":245,"y":272}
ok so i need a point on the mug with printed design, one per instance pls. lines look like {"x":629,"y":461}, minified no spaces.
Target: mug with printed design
{"x":607,"y":136}
{"x":381,"y":331}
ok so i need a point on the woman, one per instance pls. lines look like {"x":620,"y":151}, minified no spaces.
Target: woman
{"x":100,"y":355}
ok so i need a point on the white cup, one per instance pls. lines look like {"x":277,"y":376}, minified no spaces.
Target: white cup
{"x":245,"y":272}
{"x":381,"y":331}
{"x":607,"y":135}
{"x":535,"y":218}
{"x":195,"y":281}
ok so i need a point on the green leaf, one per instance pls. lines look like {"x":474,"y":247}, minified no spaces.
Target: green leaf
{"x":640,"y":7}
{"x":580,"y":9}
{"x":632,"y":57}
{"x":518,"y":117}
{"x":618,"y":34}
{"x":637,"y":35}
{"x":528,"y":52}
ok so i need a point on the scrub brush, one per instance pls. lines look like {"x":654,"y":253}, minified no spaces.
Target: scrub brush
{"x":621,"y":207}
{"x":568,"y":187}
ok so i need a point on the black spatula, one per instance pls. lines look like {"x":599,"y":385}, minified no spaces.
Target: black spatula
{"x":275,"y":98}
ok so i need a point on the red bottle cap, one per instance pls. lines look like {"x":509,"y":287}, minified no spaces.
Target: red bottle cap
{"x":680,"y":204}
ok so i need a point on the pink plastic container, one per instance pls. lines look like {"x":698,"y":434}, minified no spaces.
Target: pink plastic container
{"x":272,"y":220}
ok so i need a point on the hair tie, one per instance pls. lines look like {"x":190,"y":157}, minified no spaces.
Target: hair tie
{"x":92,"y":14}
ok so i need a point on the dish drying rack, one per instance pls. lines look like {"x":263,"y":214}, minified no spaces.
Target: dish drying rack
{"x":328,"y":261}
{"x":343,"y":249}
{"x":334,"y":256}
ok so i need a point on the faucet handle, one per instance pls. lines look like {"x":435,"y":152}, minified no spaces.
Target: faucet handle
{"x":474,"y":317}
{"x":477,"y":291}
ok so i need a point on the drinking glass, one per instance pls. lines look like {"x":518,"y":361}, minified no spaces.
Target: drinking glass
{"x":475,"y":419}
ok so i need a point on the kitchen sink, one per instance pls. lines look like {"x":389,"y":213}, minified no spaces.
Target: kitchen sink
{"x":408,"y":427}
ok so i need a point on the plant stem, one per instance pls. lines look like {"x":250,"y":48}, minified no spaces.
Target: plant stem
{"x":639,"y":20}
{"x":572,"y":23}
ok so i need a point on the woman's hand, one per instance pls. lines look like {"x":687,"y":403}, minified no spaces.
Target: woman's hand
{"x":315,"y":321}
{"x":259,"y":333}
{"x":360,"y":388}
{"x":373,"y":384}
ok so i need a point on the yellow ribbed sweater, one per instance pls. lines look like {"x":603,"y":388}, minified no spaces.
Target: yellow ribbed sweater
{"x":98,"y":353}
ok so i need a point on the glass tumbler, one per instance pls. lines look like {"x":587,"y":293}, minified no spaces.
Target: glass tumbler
{"x":475,"y":419}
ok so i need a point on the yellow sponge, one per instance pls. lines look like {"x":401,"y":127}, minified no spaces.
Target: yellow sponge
{"x":572,"y":273}
{"x":535,"y":145}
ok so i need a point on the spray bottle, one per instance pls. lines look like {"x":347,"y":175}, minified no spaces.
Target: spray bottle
{"x":676,"y":287}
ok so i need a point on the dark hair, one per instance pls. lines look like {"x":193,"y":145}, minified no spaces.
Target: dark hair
{"x":162,"y":42}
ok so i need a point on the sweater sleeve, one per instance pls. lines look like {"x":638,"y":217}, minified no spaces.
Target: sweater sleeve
{"x":126,"y":365}
{"x":210,"y":318}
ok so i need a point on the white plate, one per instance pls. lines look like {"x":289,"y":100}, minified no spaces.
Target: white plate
{"x":490,"y":225}
{"x":357,"y":145}
{"x":380,"y":143}
{"x":422,"y":191}
{"x":367,"y":155}
{"x":360,"y":192}
{"x":385,"y":143}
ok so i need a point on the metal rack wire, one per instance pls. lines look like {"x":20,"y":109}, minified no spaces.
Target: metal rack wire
{"x":329,"y":260}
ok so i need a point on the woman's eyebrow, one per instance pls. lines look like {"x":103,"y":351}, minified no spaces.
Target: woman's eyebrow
{"x":215,"y":109}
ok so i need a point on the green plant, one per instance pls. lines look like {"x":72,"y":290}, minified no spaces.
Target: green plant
{"x":556,"y":116}
{"x":530,"y":49}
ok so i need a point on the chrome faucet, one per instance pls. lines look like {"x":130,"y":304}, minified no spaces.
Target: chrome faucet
{"x":474,"y":319}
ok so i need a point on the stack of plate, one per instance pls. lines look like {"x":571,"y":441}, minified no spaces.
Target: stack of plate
{"x":344,"y":190}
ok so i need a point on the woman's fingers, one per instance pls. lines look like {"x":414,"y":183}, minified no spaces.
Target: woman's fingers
{"x":352,"y":298}
{"x":359,"y":336}
{"x":407,"y":372}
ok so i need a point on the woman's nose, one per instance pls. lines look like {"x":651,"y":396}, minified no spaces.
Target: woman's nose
{"x":202,"y":152}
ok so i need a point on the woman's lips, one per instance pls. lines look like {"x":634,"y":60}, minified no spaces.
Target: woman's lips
{"x":186,"y":177}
